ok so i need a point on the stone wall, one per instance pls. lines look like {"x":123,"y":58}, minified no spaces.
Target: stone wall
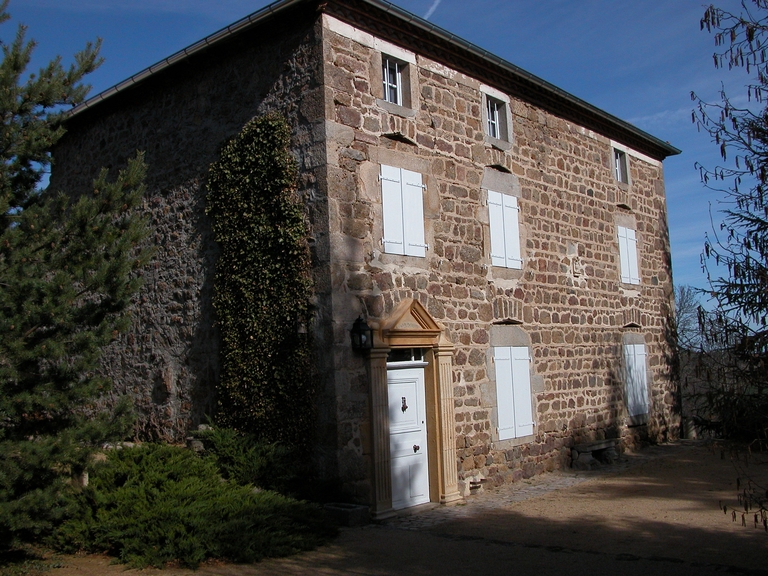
{"x":180,"y":117}
{"x":568,"y":298}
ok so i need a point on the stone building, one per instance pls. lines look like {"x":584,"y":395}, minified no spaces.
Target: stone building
{"x":506,"y":241}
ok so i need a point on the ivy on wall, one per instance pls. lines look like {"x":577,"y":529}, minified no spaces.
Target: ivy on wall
{"x":262,"y":285}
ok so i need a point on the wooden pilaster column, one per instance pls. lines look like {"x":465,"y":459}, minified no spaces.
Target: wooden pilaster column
{"x":449,"y":490}
{"x":382,"y":470}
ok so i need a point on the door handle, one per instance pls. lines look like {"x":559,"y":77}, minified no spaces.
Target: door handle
{"x":416,"y":448}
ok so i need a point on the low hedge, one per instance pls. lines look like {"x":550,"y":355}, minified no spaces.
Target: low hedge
{"x":153,"y":504}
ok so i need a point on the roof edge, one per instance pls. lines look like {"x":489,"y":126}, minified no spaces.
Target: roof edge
{"x":662,"y":149}
{"x":223,"y":33}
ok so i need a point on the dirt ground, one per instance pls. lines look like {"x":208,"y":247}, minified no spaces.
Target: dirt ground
{"x":657,"y":512}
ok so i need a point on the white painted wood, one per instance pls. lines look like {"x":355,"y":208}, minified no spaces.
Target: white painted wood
{"x":505,"y":400}
{"x":630,"y":272}
{"x":635,"y":379}
{"x":521,"y":387}
{"x":513,"y":391}
{"x":392,"y":208}
{"x":503,"y":214}
{"x":496,"y":221}
{"x":408,"y":437}
{"x":512,"y":231}
{"x":413,"y":214}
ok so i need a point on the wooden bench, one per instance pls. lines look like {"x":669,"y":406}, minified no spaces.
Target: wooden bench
{"x":590,"y":455}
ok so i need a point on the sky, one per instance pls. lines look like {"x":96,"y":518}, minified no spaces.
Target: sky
{"x":637,"y":60}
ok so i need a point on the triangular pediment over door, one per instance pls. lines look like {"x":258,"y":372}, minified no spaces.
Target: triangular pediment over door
{"x":410,"y":326}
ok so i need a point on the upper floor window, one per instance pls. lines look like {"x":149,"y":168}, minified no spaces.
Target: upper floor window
{"x":620,"y":166}
{"x":392,"y":78}
{"x":630,"y":272}
{"x":496,"y":120}
{"x":492,"y":111}
{"x":402,"y":200}
{"x":505,"y":230}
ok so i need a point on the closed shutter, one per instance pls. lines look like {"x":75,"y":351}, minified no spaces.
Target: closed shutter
{"x":496,"y":220}
{"x":505,"y":402}
{"x":513,"y":391}
{"x":413,"y":214}
{"x":521,"y":386}
{"x":635,"y":378}
{"x":630,"y":273}
{"x":505,"y":230}
{"x":392,"y":210}
{"x":402,"y":199}
{"x":512,"y":231}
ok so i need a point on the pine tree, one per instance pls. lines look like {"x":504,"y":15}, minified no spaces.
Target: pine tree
{"x":734,"y":337}
{"x":68,"y":267}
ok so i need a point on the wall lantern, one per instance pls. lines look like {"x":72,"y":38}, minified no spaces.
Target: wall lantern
{"x":362,"y":335}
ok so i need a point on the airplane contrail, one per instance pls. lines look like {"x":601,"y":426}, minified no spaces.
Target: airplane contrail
{"x":432,"y":9}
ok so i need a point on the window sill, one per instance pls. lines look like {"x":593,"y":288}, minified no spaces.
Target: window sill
{"x":512,"y":442}
{"x":497,"y":143}
{"x":388,"y":258}
{"x":503,"y":273}
{"x":396,"y":109}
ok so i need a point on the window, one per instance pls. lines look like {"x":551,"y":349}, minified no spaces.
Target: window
{"x":496,"y":118}
{"x":635,"y":379}
{"x":630,"y":273}
{"x":402,"y":200}
{"x":392,"y":77}
{"x":513,"y":391}
{"x":505,"y":230}
{"x":620,"y":166}
{"x":493,"y":117}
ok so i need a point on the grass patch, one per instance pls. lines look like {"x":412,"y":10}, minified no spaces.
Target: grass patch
{"x":154,"y":504}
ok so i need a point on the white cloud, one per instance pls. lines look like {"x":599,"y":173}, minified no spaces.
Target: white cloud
{"x":663,"y":118}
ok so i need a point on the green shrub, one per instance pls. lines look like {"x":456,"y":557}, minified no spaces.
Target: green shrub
{"x":245,"y":460}
{"x":155,"y":504}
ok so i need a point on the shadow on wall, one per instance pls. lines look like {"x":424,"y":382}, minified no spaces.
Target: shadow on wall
{"x":168,"y":362}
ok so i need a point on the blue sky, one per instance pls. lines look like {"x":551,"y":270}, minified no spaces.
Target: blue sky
{"x":638,"y":60}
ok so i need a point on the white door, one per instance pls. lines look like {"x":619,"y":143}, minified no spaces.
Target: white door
{"x":408,"y":437}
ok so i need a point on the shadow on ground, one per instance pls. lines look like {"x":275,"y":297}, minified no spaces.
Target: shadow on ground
{"x":657,"y":516}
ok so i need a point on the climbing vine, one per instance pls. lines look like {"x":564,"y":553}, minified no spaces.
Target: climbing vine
{"x":262,"y":286}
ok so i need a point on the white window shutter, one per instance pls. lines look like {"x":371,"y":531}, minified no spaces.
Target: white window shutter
{"x":628,"y":255}
{"x":413,"y":214}
{"x":513,"y":391}
{"x":634,"y":272}
{"x":392,"y":210}
{"x":496,"y":220}
{"x":635,"y":379}
{"x":521,"y":386}
{"x":505,"y":403}
{"x":511,"y":232}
